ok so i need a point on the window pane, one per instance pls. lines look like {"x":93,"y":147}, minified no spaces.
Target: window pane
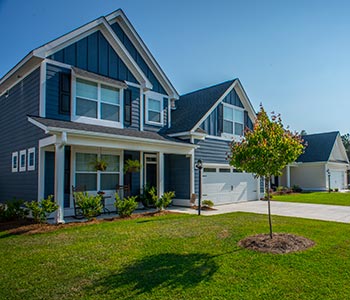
{"x":228,"y":113}
{"x":154,"y":105}
{"x":239,"y":116}
{"x":110,"y":112}
{"x":86,"y":89}
{"x":109,"y":181}
{"x":85,"y":161}
{"x":228,"y":127}
{"x":86,"y":108}
{"x":224,"y":170}
{"x":31,"y":159}
{"x":89,"y":180}
{"x":109,"y":94}
{"x":14,"y":162}
{"x":238,"y":129}
{"x":112,"y":162}
{"x":209,"y":170}
{"x":154,"y":116}
{"x":23,"y":160}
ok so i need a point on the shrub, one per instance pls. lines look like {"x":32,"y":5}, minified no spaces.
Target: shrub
{"x":41,"y":210}
{"x":336,"y":190}
{"x":13,"y":210}
{"x":149,"y":196}
{"x":126,"y":206}
{"x":207,"y":203}
{"x":90,"y":205}
{"x":164,"y":201}
{"x":296,"y":189}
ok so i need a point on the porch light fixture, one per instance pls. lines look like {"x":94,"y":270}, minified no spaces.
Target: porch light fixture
{"x":199,"y":166}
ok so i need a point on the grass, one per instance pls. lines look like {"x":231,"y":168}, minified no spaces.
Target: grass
{"x":175,"y":257}
{"x":333,"y":198}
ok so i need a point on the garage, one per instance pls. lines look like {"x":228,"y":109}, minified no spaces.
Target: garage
{"x":223,"y":185}
{"x":337,"y":179}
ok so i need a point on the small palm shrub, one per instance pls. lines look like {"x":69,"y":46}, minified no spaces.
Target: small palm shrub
{"x":126,"y":206}
{"x":41,"y":210}
{"x":13,"y":210}
{"x":90,"y":205}
{"x":207,"y":203}
{"x":149,"y":196}
{"x":164,"y":201}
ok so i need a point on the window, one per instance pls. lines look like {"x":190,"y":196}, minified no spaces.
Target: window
{"x":14,"y":162}
{"x":98,"y":101}
{"x":94,"y":180}
{"x":22,"y":160}
{"x":233,"y":120}
{"x":224,"y":170}
{"x":31,"y":159}
{"x":154,"y":109}
{"x":209,"y":170}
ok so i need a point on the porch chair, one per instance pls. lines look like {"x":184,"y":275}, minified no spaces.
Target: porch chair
{"x":78,"y":214}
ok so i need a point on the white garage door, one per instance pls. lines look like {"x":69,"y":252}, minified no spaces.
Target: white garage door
{"x":337,"y":179}
{"x":223,"y":186}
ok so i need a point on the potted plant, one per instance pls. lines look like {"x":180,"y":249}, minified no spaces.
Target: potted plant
{"x":132,"y":166}
{"x":100,"y":165}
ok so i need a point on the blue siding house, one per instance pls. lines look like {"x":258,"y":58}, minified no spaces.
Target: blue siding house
{"x":98,"y":93}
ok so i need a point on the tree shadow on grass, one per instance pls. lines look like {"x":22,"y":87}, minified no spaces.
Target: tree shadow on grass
{"x":166,"y":271}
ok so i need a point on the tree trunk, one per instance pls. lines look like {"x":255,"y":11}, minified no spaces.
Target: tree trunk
{"x":267,"y":178}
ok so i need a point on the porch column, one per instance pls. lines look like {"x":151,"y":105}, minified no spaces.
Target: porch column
{"x":41,"y":173}
{"x":142,"y":170}
{"x":192,"y":162}
{"x":59,"y":182}
{"x":160,"y":174}
{"x":288,"y":175}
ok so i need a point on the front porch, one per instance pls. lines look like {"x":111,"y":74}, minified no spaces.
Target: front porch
{"x":66,"y":160}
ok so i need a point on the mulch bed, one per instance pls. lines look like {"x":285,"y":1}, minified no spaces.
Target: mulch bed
{"x":280,"y":243}
{"x":28,"y":227}
{"x":202,"y":208}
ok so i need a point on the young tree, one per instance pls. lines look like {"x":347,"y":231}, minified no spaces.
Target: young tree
{"x":346,"y":142}
{"x":266,"y":150}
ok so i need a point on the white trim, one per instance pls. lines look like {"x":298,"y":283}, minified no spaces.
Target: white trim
{"x":57,"y":63}
{"x":129,"y":83}
{"x":31,"y":151}
{"x":47,"y":141}
{"x":41,"y":174}
{"x":59,"y":183}
{"x":142,"y":109}
{"x":156,"y":97}
{"x":160,"y":177}
{"x":169,"y":113}
{"x":131,"y":33}
{"x":42,"y":97}
{"x":22,"y":168}
{"x":14,"y":167}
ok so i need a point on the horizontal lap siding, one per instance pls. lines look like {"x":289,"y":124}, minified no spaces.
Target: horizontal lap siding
{"x":18,"y":134}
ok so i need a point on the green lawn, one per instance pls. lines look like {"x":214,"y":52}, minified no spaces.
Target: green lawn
{"x":333,"y":198}
{"x":175,"y":257}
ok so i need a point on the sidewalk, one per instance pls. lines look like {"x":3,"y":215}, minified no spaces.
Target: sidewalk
{"x":288,"y":209}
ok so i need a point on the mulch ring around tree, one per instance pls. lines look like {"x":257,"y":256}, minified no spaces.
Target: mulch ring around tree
{"x":28,"y":227}
{"x":280,"y":243}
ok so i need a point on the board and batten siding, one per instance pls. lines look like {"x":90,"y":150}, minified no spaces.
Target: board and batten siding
{"x":53,"y":92}
{"x":177,"y":175}
{"x":94,"y":54}
{"x":18,"y":134}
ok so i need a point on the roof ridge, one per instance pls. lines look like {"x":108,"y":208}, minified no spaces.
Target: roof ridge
{"x":209,"y":87}
{"x":323,"y":133}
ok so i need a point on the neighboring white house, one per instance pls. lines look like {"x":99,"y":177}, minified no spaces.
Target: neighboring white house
{"x":324,"y":162}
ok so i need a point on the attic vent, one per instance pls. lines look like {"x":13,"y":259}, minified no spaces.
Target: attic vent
{"x":173,"y":104}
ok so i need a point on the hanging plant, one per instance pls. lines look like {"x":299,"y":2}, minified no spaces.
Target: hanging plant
{"x":100,"y":165}
{"x":132,"y":166}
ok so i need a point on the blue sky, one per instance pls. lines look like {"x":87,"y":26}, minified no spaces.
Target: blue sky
{"x":293,"y":56}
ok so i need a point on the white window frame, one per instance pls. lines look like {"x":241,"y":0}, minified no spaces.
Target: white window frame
{"x":22,"y":168}
{"x":31,"y":167}
{"x":157,"y":97}
{"x":14,"y":167}
{"x":98,"y":120}
{"x":98,"y":173}
{"x":233,"y":107}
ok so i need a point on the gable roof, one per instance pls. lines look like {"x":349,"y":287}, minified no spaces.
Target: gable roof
{"x":191,"y":107}
{"x":319,"y":147}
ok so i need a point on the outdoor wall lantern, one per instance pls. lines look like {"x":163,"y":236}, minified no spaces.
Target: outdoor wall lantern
{"x":199,"y":166}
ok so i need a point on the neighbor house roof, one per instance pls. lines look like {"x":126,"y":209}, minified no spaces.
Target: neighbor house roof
{"x":318,"y":146}
{"x":191,"y":107}
{"x":52,"y":125}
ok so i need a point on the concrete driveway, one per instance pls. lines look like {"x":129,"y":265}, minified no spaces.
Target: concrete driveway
{"x":288,"y":209}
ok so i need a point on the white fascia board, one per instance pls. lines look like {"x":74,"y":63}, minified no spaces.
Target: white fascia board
{"x":38,"y":124}
{"x":189,"y":134}
{"x":215,"y":105}
{"x":143,"y":50}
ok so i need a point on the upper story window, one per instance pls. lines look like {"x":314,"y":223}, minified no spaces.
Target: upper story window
{"x":14,"y":161}
{"x":97,"y":101}
{"x":154,"y":109}
{"x":31,"y":159}
{"x":233,"y":120}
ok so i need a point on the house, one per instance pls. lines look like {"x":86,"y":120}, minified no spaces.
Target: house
{"x":324,"y":164}
{"x":97,"y":93}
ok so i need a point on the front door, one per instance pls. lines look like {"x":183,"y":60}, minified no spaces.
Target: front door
{"x":151,"y":177}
